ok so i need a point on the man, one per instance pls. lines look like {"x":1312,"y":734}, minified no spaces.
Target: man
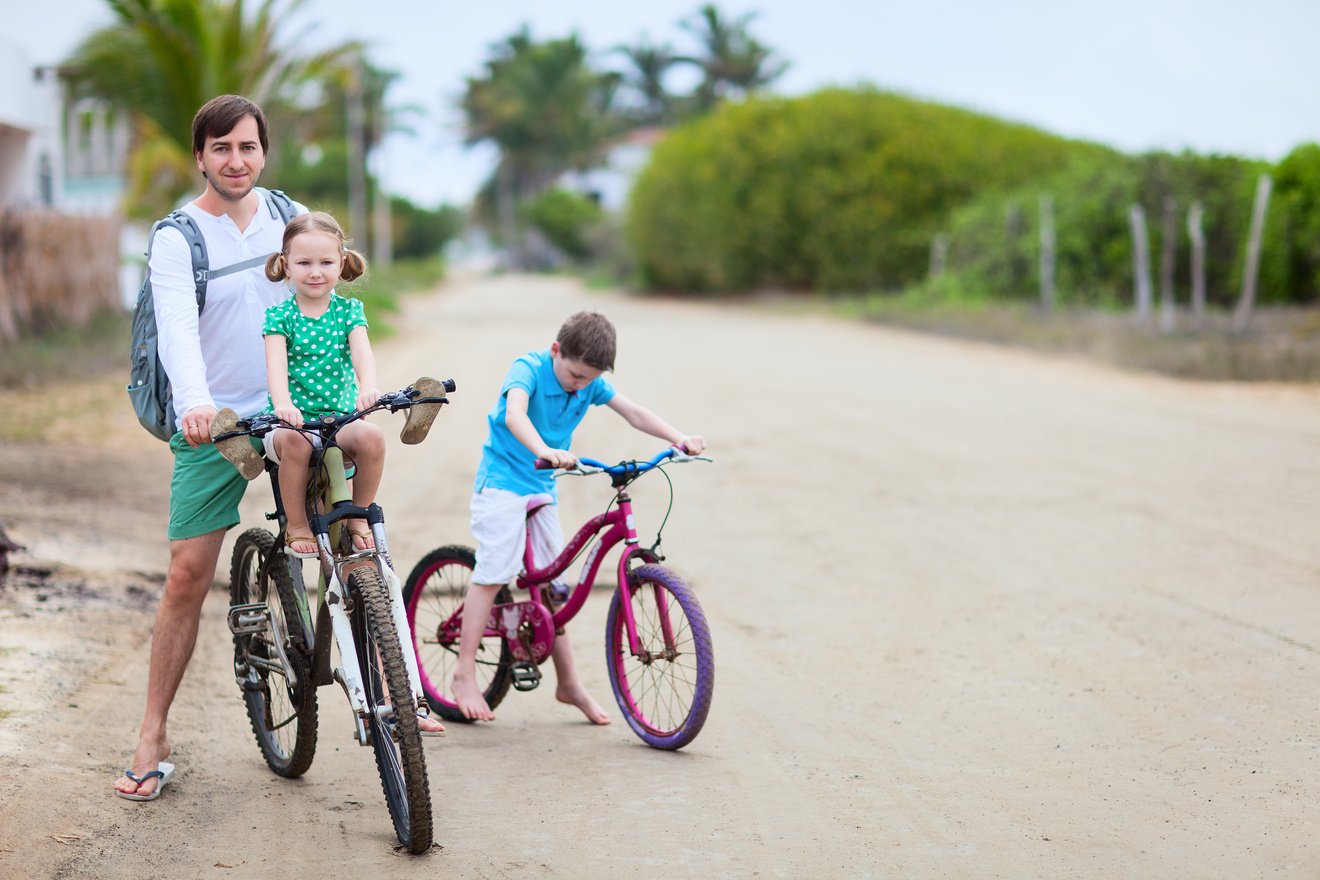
{"x":213,"y":360}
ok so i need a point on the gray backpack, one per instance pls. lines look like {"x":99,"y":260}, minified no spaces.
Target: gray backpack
{"x":148,"y":386}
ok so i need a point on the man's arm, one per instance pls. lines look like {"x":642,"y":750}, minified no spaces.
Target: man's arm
{"x":648,"y":422}
{"x":179,"y":346}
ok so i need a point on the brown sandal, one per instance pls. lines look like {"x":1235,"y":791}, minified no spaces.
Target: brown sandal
{"x":365,"y":536}
{"x":238,"y":450}
{"x":418,"y":421}
{"x":289,"y":542}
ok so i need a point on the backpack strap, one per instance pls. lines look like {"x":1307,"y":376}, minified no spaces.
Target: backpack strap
{"x":280,"y":207}
{"x":192,"y":236}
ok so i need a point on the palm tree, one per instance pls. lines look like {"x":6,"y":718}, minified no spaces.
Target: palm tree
{"x":163,"y":59}
{"x":734,"y":63}
{"x":546,"y":111}
{"x":648,"y":65}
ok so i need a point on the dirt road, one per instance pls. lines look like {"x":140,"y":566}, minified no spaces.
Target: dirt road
{"x":976,"y":614}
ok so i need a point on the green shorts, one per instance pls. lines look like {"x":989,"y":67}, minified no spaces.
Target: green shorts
{"x":204,"y":491}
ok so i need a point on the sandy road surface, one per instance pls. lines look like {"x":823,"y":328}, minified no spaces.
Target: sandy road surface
{"x":976,"y":614}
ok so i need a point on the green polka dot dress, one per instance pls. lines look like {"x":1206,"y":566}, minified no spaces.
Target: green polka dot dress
{"x":321,"y":378}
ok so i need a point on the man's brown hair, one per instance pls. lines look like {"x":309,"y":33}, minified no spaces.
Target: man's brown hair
{"x":588,"y":337}
{"x":218,"y":117}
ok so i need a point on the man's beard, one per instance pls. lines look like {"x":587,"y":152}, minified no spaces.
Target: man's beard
{"x":225,"y":190}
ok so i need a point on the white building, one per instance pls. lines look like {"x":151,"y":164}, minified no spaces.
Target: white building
{"x":63,"y":154}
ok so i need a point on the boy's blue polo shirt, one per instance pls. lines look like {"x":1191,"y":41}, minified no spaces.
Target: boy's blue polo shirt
{"x":554,"y":412}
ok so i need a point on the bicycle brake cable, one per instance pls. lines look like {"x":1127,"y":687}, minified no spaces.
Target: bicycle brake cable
{"x":655,"y":548}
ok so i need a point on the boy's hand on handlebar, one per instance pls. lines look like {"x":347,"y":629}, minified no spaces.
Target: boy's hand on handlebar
{"x":559,"y":458}
{"x":693,"y":445}
{"x":290,"y":415}
{"x":367,"y":397}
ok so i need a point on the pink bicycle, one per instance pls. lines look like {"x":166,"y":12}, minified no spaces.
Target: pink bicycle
{"x":657,"y":642}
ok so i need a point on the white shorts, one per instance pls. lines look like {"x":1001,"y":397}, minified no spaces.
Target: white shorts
{"x":500,"y":526}
{"x":268,"y":443}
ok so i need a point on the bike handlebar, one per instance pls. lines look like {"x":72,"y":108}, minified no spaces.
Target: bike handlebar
{"x":261,"y":424}
{"x":587,"y":466}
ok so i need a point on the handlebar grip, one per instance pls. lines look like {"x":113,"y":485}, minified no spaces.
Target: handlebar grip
{"x":449,"y":385}
{"x":543,"y":465}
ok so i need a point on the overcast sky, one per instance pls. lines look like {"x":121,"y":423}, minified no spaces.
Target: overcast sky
{"x":1213,"y":76}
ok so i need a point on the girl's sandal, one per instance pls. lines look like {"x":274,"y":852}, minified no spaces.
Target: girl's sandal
{"x":289,"y":541}
{"x":419,"y":417}
{"x":368,"y":540}
{"x":238,"y":450}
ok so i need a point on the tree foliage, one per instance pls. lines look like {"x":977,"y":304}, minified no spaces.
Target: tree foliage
{"x":163,"y":59}
{"x":842,"y":189}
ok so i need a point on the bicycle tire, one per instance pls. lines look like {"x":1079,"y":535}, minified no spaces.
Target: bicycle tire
{"x":395,"y":737}
{"x":664,"y":699}
{"x":433,"y":595}
{"x":283,"y":715}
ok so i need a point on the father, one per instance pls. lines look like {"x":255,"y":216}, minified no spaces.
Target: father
{"x":213,"y":360}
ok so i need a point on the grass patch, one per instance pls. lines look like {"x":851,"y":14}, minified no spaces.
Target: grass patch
{"x":1280,"y":344}
{"x":68,"y":352}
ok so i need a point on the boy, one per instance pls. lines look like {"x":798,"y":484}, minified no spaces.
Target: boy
{"x":544,"y":397}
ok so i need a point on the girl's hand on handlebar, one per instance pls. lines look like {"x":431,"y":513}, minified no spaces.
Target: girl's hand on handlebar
{"x":367,"y":397}
{"x":289,"y":415}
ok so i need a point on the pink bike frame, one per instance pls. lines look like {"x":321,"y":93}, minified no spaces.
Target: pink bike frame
{"x":617,"y":526}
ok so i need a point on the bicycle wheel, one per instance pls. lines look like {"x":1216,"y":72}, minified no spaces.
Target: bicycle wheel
{"x":395,"y":737}
{"x":433,"y":597}
{"x":282,"y":712}
{"x":664,"y":689}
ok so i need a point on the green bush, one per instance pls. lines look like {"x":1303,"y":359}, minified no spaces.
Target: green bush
{"x":566,"y":219}
{"x":842,"y":189}
{"x":422,"y":234}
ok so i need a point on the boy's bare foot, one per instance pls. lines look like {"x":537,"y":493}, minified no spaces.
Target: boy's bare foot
{"x":576,"y":695}
{"x":469,"y":698}
{"x":147,"y":758}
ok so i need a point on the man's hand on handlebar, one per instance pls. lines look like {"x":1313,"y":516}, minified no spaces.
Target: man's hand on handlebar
{"x":196,"y":425}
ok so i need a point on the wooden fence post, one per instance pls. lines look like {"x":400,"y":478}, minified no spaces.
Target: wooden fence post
{"x":1140,"y":260}
{"x":1168,"y":253}
{"x":1046,"y":254}
{"x":1247,"y":301}
{"x":1196,"y":232}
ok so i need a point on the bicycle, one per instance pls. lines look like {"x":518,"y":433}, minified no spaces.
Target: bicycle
{"x":657,"y":642}
{"x":282,"y":655}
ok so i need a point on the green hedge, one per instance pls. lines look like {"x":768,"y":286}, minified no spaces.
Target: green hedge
{"x":841,"y":190}
{"x":994,"y":240}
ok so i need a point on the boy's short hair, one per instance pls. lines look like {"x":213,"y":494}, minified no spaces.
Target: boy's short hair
{"x":218,"y":117}
{"x":588,"y":337}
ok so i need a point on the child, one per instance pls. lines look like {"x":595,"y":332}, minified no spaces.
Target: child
{"x":545,"y":396}
{"x":319,"y":362}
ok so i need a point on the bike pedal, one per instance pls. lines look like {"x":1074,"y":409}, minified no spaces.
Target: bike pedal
{"x":526,"y":676}
{"x":247,"y":620}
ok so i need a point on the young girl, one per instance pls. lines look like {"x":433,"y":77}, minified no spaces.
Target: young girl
{"x":319,"y":362}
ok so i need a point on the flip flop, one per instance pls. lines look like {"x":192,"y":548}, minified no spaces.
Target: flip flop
{"x":365,"y":536}
{"x":164,"y":774}
{"x":419,"y":417}
{"x":288,"y":546}
{"x":238,"y":450}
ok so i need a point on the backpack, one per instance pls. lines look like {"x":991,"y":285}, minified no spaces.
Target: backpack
{"x":148,"y":386}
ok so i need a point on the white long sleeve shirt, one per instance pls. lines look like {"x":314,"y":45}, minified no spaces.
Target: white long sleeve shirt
{"x":219,"y":358}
